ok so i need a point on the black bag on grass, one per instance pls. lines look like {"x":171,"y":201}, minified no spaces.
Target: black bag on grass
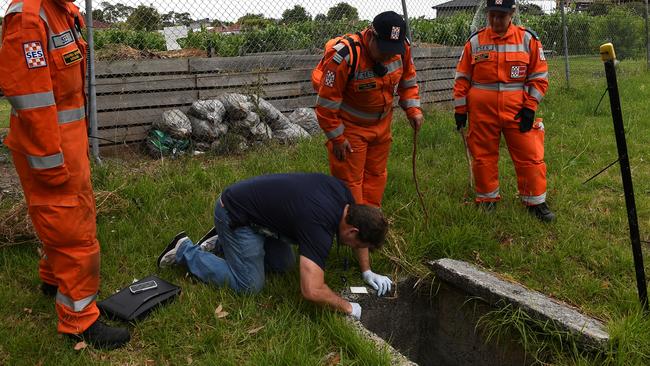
{"x":136,"y":300}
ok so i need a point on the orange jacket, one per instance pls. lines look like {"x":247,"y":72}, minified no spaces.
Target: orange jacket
{"x":42,"y":72}
{"x":367,"y":98}
{"x":513,"y":62}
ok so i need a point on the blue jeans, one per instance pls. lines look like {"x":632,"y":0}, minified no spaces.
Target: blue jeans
{"x":246,"y":256}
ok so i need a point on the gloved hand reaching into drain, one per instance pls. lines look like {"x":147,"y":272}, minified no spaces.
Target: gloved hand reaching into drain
{"x":356,"y":311}
{"x":380,"y":283}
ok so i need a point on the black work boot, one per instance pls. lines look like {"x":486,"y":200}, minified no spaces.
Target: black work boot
{"x":100,"y":335}
{"x":542,"y":212}
{"x":488,"y":206}
{"x":49,"y":290}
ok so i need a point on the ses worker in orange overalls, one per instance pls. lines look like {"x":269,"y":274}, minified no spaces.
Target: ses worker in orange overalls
{"x":501,"y":78}
{"x":357,"y":79}
{"x":42,"y":73}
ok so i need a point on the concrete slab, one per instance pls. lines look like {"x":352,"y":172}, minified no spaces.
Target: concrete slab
{"x":494,"y":290}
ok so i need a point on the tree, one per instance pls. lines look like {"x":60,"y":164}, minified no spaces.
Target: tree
{"x":342,"y":11}
{"x":144,"y":18}
{"x":530,"y":9}
{"x":253,"y":21}
{"x":296,"y":15}
{"x":320,"y":18}
{"x":98,"y":14}
{"x":172,"y":18}
{"x":115,"y":13}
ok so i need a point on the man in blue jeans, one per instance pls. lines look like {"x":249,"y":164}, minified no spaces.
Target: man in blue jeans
{"x":257,"y":219}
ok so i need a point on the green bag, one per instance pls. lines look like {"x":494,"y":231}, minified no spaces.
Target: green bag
{"x":160,"y":144}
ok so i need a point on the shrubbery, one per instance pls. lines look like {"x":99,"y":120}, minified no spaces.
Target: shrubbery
{"x":620,"y":25}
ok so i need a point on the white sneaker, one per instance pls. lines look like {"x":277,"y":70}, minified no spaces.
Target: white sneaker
{"x":209,"y":241}
{"x":168,"y":255}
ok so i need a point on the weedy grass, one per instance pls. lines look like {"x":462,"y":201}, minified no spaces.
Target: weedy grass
{"x":583,"y":259}
{"x":5,"y":109}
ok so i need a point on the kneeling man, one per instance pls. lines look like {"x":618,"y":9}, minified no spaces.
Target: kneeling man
{"x":257,"y":219}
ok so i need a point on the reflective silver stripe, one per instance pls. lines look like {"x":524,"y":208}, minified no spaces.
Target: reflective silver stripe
{"x":459,"y":102}
{"x":45,"y":162}
{"x":498,"y":86}
{"x":31,"y":101}
{"x":15,"y":8}
{"x":527,"y":38}
{"x":394,"y":66}
{"x":405,"y":84}
{"x":511,"y":48}
{"x":494,"y":194}
{"x":537,"y":75}
{"x":338,"y":46}
{"x":337,"y":58}
{"x":360,"y":114}
{"x":347,"y":58}
{"x":71,"y":115}
{"x":533,"y":92}
{"x":534,"y":200}
{"x":474,"y":43}
{"x":409,"y":103}
{"x":329,"y":104}
{"x":462,"y":75}
{"x":335,"y":132}
{"x":13,"y":112}
{"x":76,"y":306}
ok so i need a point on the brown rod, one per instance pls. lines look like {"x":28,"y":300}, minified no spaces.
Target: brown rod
{"x":415,"y":176}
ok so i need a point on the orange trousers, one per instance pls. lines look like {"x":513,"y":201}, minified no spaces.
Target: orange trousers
{"x":364,"y":170}
{"x":526,"y":150}
{"x":64,"y":221}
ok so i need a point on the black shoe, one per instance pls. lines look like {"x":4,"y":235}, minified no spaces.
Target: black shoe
{"x":488,"y":206}
{"x":542,"y":212}
{"x":168,"y":255}
{"x":49,"y":290}
{"x":100,"y":335}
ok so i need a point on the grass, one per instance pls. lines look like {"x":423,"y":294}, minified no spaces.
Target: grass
{"x":584,"y":258}
{"x":5,"y":109}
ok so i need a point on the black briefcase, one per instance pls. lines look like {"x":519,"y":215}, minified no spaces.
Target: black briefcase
{"x":136,"y":300}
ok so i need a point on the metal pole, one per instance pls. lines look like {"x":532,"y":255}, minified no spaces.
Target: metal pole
{"x":647,"y":34}
{"x":626,"y":174}
{"x":566,"y":44}
{"x":92,"y":83}
{"x":406,"y":19}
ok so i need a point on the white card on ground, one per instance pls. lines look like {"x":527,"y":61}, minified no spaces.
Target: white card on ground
{"x":358,"y":290}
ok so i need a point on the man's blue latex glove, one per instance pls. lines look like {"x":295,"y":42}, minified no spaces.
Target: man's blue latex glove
{"x":380,"y":283}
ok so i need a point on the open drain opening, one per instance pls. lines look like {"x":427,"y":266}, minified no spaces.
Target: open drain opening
{"x":447,"y":322}
{"x":435,"y":324}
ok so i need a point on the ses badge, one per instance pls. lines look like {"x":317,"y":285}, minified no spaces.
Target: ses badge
{"x":330,"y":76}
{"x":34,"y":55}
{"x":517,"y":72}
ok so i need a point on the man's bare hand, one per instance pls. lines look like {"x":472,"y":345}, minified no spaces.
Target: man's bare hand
{"x":342,"y":150}
{"x":417,"y":121}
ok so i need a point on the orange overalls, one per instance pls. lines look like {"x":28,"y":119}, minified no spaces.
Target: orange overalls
{"x":495,"y":78}
{"x":42,"y":72}
{"x":361,"y":112}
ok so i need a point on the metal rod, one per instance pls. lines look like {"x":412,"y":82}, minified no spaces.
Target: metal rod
{"x":626,"y":174}
{"x":566,"y":43}
{"x":92,"y":83}
{"x":406,"y":19}
{"x":647,"y":34}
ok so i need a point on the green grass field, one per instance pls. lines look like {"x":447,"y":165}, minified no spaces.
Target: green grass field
{"x":583,"y":259}
{"x":5,"y":109}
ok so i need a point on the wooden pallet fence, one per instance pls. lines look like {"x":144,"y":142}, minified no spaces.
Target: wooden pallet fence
{"x":134,"y":93}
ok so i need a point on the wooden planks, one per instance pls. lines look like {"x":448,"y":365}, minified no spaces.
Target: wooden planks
{"x":131,"y":67}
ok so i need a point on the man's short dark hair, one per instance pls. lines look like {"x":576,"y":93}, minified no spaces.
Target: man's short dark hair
{"x":371,"y":223}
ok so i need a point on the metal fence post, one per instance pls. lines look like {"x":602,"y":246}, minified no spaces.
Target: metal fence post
{"x":647,"y":34}
{"x":92,"y":83}
{"x":406,"y":19}
{"x":566,"y":43}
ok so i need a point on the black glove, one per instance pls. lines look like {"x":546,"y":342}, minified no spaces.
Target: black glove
{"x":527,"y":118}
{"x":461,"y":120}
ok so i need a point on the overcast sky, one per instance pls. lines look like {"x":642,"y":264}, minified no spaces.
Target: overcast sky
{"x":231,"y":10}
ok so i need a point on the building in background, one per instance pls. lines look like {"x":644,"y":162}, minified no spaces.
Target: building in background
{"x":456,"y":6}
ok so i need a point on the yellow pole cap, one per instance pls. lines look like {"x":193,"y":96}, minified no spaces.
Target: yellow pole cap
{"x":607,"y":52}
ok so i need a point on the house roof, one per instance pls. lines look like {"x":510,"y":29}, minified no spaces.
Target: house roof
{"x":455,"y":4}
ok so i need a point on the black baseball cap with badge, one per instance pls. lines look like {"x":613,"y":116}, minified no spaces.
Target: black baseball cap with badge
{"x":390,"y":30}
{"x":505,"y":6}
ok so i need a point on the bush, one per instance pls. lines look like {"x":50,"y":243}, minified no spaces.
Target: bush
{"x":449,"y":31}
{"x":623,"y":28}
{"x":140,"y":40}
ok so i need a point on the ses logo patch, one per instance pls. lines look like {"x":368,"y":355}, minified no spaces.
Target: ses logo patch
{"x":34,"y":55}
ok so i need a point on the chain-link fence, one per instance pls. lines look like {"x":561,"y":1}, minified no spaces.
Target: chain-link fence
{"x":155,"y":56}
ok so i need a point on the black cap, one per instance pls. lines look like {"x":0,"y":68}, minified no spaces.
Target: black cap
{"x":505,"y":6}
{"x":390,"y":30}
